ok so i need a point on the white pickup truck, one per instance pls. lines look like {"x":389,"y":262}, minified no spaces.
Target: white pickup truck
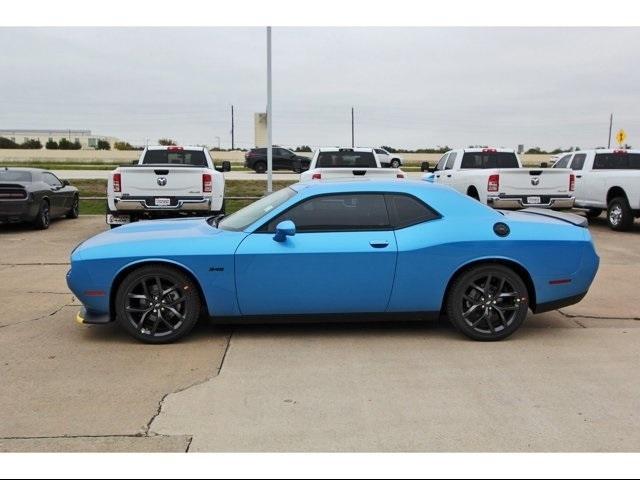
{"x":333,"y":162}
{"x":609,"y":180}
{"x":166,"y":182}
{"x":496,"y":177}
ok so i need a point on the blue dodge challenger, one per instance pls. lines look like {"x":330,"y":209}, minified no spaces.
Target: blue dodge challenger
{"x":337,"y":250}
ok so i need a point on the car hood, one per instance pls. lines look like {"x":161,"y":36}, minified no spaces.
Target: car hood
{"x":159,"y":238}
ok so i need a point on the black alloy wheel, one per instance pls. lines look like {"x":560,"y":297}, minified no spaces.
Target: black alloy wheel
{"x":43,"y":220}
{"x":75,"y":208}
{"x":158,"y":304}
{"x":488,"y":302}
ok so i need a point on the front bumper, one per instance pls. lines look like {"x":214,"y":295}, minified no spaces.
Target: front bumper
{"x":88,"y":317}
{"x":142,"y":204}
{"x":521,"y":201}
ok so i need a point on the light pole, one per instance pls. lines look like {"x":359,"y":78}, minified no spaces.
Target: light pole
{"x":218,"y":138}
{"x":269,"y":137}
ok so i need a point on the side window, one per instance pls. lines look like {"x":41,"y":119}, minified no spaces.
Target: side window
{"x":405,"y":210}
{"x":51,"y":180}
{"x":441,"y":163}
{"x":578,"y":161}
{"x":379,"y":151}
{"x":331,"y":213}
{"x":450,"y":161}
{"x":563,"y":162}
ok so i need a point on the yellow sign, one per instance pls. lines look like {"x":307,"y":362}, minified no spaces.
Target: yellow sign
{"x":621,"y":136}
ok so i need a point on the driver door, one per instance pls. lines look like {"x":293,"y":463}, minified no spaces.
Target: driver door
{"x":341,"y":260}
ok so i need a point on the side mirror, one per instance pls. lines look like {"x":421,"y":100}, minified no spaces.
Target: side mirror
{"x":283,"y":230}
{"x":424,"y":166}
{"x":65,"y":183}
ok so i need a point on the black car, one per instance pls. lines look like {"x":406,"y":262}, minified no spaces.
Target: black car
{"x":35,"y":196}
{"x":283,"y":159}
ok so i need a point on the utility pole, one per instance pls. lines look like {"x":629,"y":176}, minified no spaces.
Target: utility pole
{"x":232,"y":130}
{"x":269,"y":137}
{"x":610,"y":128}
{"x":353,"y":143}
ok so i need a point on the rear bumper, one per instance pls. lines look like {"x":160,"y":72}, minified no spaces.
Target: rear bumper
{"x":560,"y":303}
{"x":520,"y":201}
{"x":141,"y":204}
{"x":18,"y":210}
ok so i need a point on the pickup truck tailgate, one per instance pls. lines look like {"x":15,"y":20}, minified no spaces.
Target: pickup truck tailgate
{"x":532,"y":181}
{"x":161,"y":181}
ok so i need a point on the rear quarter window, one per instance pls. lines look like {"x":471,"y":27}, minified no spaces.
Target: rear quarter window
{"x":406,"y":210}
{"x":489,"y":160}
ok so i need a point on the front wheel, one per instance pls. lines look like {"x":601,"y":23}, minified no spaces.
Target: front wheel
{"x":260,"y":167}
{"x":488,"y":302}
{"x":157,"y":304}
{"x":619,"y":214}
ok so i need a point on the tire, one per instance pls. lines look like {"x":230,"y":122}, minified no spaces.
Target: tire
{"x":488,"y":302}
{"x":395,"y":163}
{"x":594,"y":212}
{"x":260,"y":167}
{"x":43,"y":220}
{"x":619,"y":214}
{"x":75,"y":208}
{"x":145,"y":317}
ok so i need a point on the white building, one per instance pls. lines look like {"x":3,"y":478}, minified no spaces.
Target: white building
{"x":87,"y":139}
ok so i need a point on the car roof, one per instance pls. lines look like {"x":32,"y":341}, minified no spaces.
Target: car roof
{"x":486,"y":149}
{"x":607,"y":150}
{"x":319,"y":187}
{"x":337,"y":149}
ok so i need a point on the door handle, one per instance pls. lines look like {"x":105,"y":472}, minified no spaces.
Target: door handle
{"x":449,"y":176}
{"x":578,"y":176}
{"x":379,"y":243}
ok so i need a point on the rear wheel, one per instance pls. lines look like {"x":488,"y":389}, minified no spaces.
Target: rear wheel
{"x":260,"y":167}
{"x":473,"y":193}
{"x":395,"y":163}
{"x":619,"y":214}
{"x":157,"y":304}
{"x":43,"y":219}
{"x":75,"y":208}
{"x":488,"y":302}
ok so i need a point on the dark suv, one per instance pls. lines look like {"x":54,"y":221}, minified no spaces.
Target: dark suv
{"x":283,"y":159}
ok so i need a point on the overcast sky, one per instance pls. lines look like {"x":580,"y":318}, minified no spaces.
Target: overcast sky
{"x":410,"y":87}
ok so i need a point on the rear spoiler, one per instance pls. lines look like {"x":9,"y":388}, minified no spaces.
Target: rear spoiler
{"x":571,"y":218}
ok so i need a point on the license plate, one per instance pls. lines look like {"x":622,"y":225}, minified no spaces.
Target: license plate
{"x":534,"y":200}
{"x":163,"y":202}
{"x":118,"y":219}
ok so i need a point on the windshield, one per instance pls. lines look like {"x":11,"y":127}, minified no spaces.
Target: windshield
{"x":251,"y":213}
{"x":177,"y":157}
{"x":14,"y":176}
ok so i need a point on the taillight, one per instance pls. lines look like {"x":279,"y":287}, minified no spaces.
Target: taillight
{"x":175,"y":149}
{"x":316,"y":176}
{"x":206,"y":183}
{"x":117,"y":182}
{"x":489,"y":150}
{"x":493,"y":185}
{"x":399,"y":175}
{"x":572,"y":182}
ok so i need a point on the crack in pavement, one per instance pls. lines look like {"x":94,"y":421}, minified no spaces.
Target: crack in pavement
{"x":41,"y":317}
{"x":596,"y":317}
{"x":147,"y":431}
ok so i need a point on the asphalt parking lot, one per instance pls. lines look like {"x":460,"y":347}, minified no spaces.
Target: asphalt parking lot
{"x":567,"y":381}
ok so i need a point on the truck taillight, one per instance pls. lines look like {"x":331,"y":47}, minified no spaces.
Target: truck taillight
{"x":316,"y":176}
{"x":117,"y":182}
{"x":174,"y":148}
{"x":572,"y":182}
{"x":206,"y":183}
{"x":489,"y":150}
{"x":493,"y":185}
